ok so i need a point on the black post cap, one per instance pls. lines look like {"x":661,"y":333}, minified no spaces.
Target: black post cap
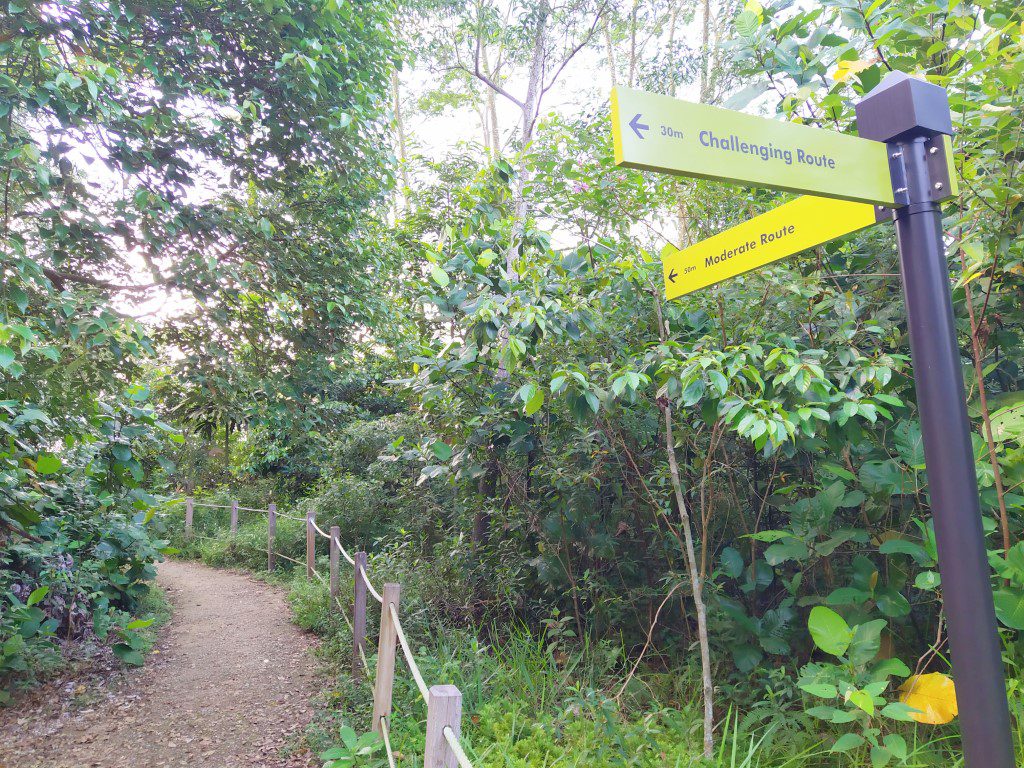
{"x":902,"y":107}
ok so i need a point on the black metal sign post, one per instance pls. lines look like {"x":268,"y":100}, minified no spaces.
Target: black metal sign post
{"x":912,"y":117}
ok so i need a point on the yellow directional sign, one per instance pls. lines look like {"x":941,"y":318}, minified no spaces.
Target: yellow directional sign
{"x":790,"y":228}
{"x":660,"y":133}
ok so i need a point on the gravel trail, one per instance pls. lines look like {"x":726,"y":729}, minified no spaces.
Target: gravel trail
{"x":230,"y":686}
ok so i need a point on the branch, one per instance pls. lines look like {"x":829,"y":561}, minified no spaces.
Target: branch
{"x":18,"y":531}
{"x":487,"y":80}
{"x":583,"y":43}
{"x":647,"y":644}
{"x":59,"y":278}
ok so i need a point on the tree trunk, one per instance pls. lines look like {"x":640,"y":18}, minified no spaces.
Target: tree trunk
{"x":705,"y":54}
{"x":491,"y":107}
{"x":403,"y":168}
{"x":696,"y":583}
{"x":631,"y":72}
{"x":531,"y":107}
{"x":609,"y":50}
{"x":481,"y":112}
{"x":672,"y":23}
{"x":487,"y":487}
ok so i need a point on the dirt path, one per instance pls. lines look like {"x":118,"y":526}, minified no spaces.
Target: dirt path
{"x":231,"y":684}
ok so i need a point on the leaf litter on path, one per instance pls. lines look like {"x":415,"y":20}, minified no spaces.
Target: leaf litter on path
{"x":231,"y":686}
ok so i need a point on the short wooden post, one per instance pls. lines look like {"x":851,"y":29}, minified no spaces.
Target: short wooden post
{"x":444,"y":710}
{"x":234,"y":517}
{"x":386,"y":647}
{"x":358,"y":616}
{"x":310,"y":545}
{"x":335,"y":562}
{"x":188,"y":517}
{"x":271,"y":535}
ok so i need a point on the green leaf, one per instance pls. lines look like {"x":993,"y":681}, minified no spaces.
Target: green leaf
{"x":883,"y":477}
{"x":48,"y":464}
{"x":747,"y":23}
{"x":440,"y":277}
{"x":121,"y":451}
{"x":904,"y":547}
{"x":1010,"y":607}
{"x":880,"y":757}
{"x":863,"y":700}
{"x":442,"y":450}
{"x":535,"y":402}
{"x":788,"y":549}
{"x":128,"y":655}
{"x":846,"y":742}
{"x":910,"y":444}
{"x":891,"y":602}
{"x":867,"y":638}
{"x":769,"y":536}
{"x":348,"y":737}
{"x":899,"y":711}
{"x":887,"y":667}
{"x":896,"y":744}
{"x":694,"y":392}
{"x":20,"y":298}
{"x":829,"y":630}
{"x":821,"y":690}
{"x":6,"y":357}
{"x":732,"y":562}
{"x":848,"y":596}
{"x":822,"y":713}
{"x":746,"y":657}
{"x":37,"y":595}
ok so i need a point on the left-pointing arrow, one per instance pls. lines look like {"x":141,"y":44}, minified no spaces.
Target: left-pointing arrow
{"x":672,"y":276}
{"x":637,"y":126}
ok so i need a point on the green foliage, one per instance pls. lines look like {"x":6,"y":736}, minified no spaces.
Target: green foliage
{"x":355,"y":750}
{"x":83,"y":580}
{"x":1009,"y":599}
{"x":853,"y":688}
{"x":475,"y":385}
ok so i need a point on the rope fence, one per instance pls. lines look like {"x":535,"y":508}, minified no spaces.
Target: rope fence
{"x":453,"y":742}
{"x":369,"y":586}
{"x":341,"y":549}
{"x":292,"y":517}
{"x":442,"y":747}
{"x":413,"y":667}
{"x":386,"y":735}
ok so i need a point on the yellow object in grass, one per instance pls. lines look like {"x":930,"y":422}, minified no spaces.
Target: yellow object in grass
{"x":933,"y":695}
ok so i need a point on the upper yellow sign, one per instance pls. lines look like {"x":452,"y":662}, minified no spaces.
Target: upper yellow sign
{"x":659,"y":133}
{"x":790,"y":228}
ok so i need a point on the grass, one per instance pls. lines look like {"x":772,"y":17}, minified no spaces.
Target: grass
{"x":155,"y":606}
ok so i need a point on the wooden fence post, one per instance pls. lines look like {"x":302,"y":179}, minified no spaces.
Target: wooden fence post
{"x":310,"y":545}
{"x":335,"y":558}
{"x":358,"y":616}
{"x":234,"y":517}
{"x":444,"y":710}
{"x":386,"y":648}
{"x":271,"y":535}
{"x":188,"y":517}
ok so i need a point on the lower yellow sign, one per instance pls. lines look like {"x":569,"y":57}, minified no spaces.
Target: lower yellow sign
{"x":790,"y":228}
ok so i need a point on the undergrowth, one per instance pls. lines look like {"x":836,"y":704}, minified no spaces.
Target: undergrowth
{"x":533,"y":698}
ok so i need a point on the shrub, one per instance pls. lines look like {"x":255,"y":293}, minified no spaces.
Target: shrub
{"x":81,"y":580}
